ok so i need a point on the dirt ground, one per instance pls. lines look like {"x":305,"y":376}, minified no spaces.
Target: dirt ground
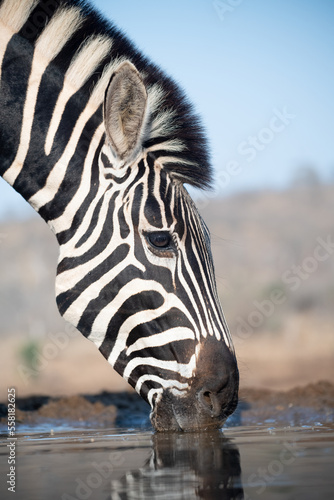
{"x":312,"y":404}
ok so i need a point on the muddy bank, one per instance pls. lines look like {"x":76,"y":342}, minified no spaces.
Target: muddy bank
{"x":305,"y":405}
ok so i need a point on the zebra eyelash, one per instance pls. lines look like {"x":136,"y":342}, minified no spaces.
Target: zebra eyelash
{"x":169,"y":250}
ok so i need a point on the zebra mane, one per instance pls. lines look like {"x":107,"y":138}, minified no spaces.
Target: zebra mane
{"x":86,"y":48}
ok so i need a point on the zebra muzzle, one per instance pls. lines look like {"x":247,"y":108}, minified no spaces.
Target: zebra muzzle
{"x":212,"y":395}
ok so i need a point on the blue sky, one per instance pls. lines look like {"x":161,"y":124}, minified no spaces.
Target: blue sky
{"x":260,"y":73}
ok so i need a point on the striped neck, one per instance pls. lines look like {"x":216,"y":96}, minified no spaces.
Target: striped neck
{"x":54,"y":75}
{"x":54,"y":152}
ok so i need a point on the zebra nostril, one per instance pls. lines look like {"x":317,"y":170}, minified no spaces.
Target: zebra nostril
{"x":206,"y":400}
{"x":215,"y":394}
{"x":206,"y":397}
{"x":212,"y":402}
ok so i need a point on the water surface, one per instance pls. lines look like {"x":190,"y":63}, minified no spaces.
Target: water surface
{"x":239,"y":462}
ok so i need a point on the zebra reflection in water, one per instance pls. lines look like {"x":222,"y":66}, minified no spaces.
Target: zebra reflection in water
{"x":185,"y":466}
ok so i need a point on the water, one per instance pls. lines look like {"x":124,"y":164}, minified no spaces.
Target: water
{"x":252,"y":462}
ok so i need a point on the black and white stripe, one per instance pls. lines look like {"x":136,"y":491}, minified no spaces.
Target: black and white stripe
{"x":100,"y":142}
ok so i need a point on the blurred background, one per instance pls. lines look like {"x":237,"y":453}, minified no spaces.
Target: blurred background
{"x":261,"y":76}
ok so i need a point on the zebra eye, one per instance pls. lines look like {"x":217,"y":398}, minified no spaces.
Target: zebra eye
{"x":160,"y":239}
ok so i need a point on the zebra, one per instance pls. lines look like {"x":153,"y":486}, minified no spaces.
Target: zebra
{"x":101,"y":143}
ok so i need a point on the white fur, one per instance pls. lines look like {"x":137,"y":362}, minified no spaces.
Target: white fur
{"x":172,"y":145}
{"x":162,"y":124}
{"x":90,"y":55}
{"x":14,"y":13}
{"x":83,"y":65}
{"x":184,"y":369}
{"x":167,"y":384}
{"x":159,"y":339}
{"x":174,"y":159}
{"x":155,"y":94}
{"x":58,"y":31}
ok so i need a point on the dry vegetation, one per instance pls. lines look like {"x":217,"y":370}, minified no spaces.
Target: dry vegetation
{"x":281,"y":316}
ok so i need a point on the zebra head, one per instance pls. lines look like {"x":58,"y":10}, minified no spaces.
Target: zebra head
{"x":136,"y":277}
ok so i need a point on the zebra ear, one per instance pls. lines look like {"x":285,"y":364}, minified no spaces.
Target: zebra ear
{"x":124,"y":111}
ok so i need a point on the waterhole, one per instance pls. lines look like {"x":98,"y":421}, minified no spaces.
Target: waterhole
{"x":252,"y":462}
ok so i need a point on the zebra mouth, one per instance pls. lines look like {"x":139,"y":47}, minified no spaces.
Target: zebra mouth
{"x":211,"y":395}
{"x":188,"y":414}
{"x":196,"y":424}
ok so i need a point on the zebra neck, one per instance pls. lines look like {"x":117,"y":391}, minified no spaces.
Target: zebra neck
{"x":50,"y":132}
